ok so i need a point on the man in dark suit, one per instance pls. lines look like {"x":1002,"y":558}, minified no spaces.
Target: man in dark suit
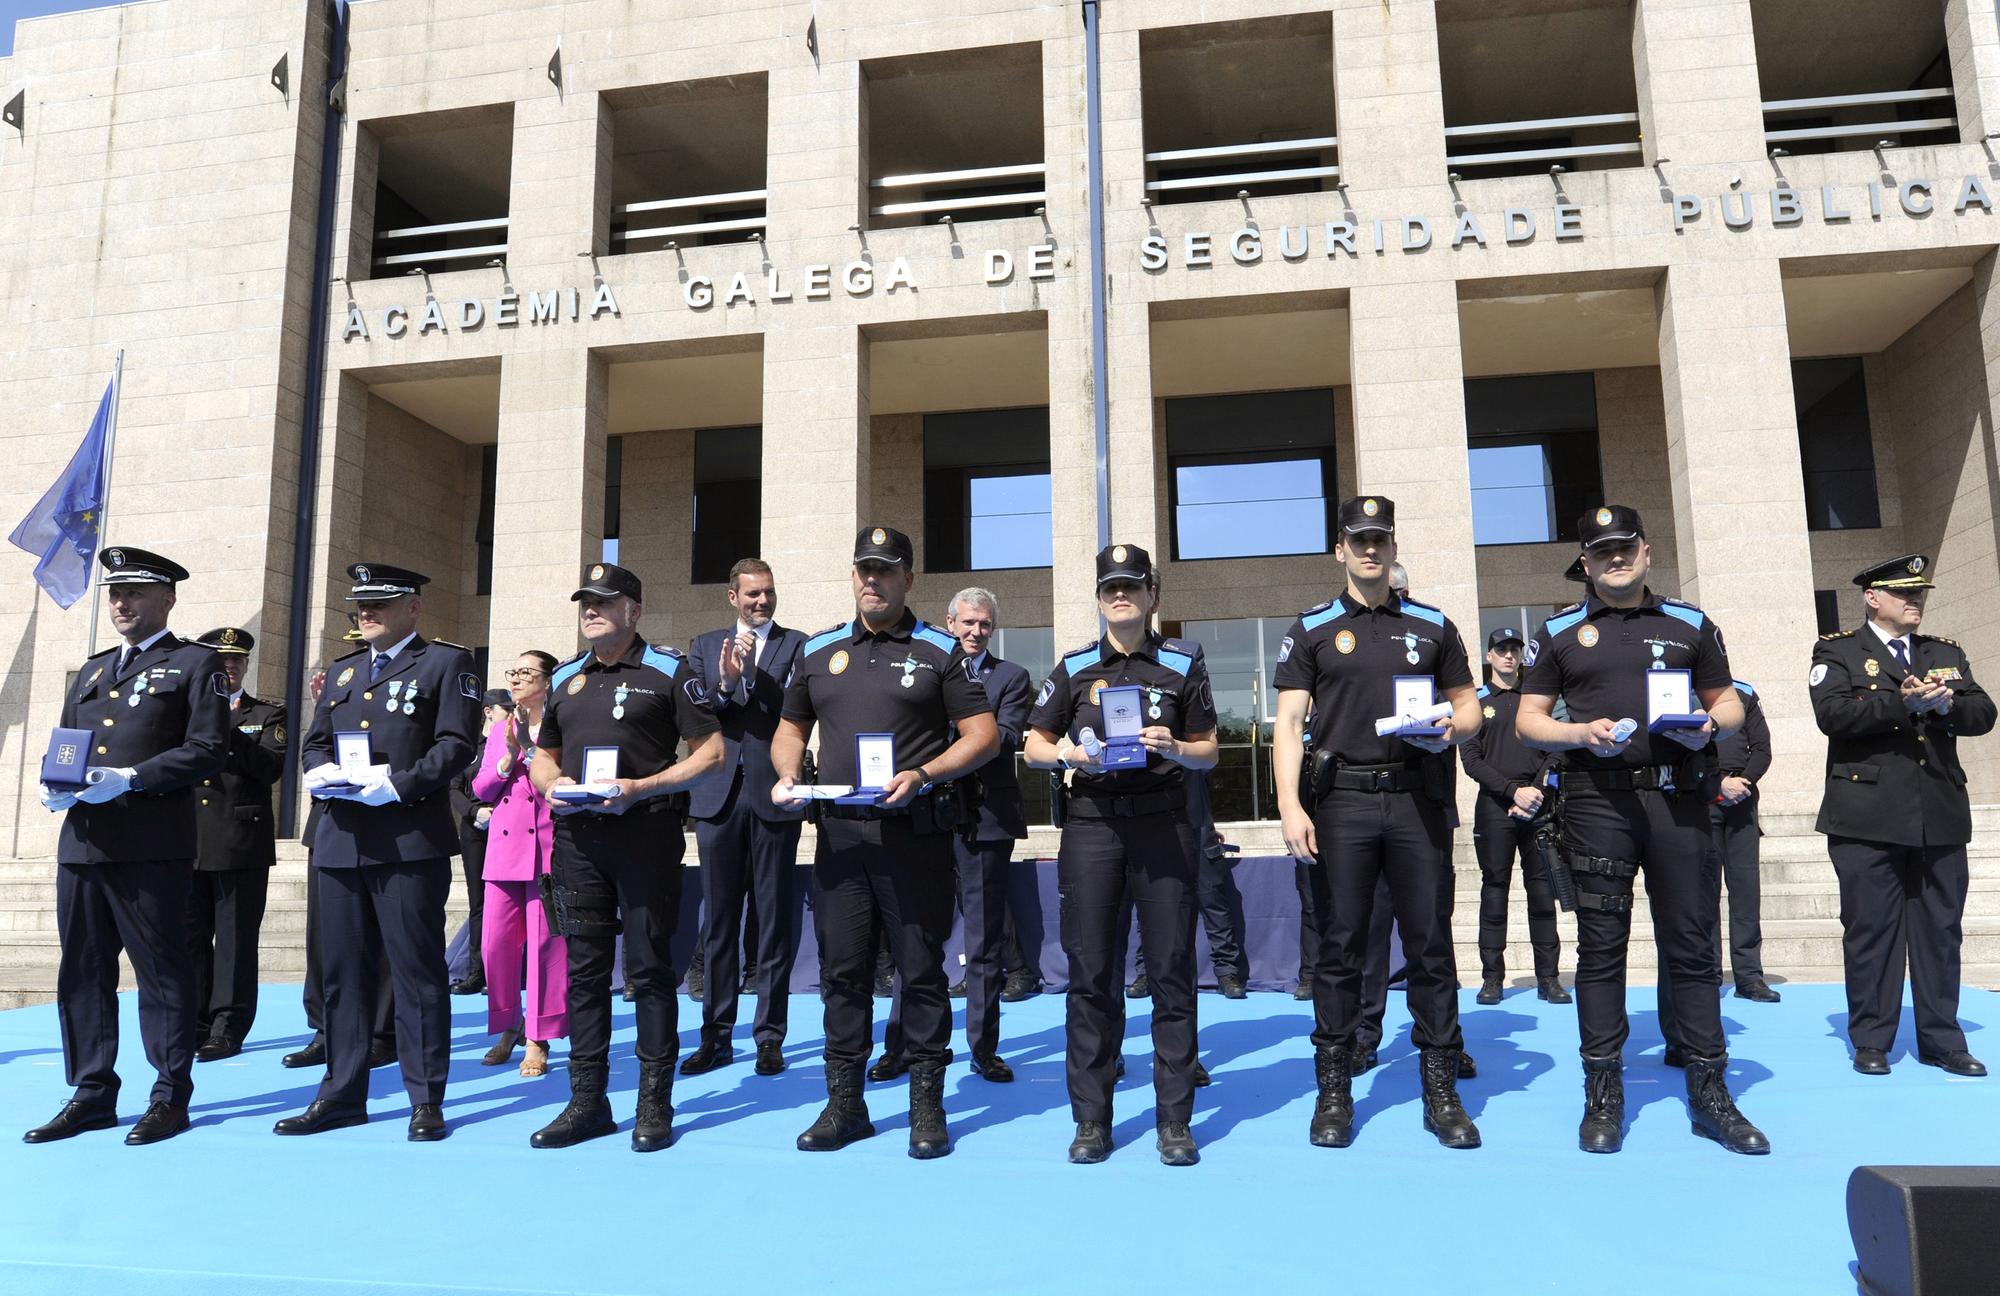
{"x":393,"y":727}
{"x":748,"y":845}
{"x":157,"y":711}
{"x":238,"y":839}
{"x":1893,"y":704}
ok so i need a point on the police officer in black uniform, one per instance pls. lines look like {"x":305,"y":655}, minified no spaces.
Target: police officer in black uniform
{"x":1381,"y":808}
{"x":1509,"y":775}
{"x":238,"y":835}
{"x":1636,"y":802}
{"x":617,"y":863}
{"x":886,"y":865}
{"x":157,"y":711}
{"x":1128,"y":832}
{"x":1893,"y":704}
{"x":384,"y":846}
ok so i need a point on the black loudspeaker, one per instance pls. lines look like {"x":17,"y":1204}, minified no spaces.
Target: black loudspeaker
{"x":1926,"y":1230}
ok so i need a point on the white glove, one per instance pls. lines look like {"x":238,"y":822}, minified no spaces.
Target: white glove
{"x":376,"y":790}
{"x":107,"y":784}
{"x":56,"y":802}
{"x":320,"y":775}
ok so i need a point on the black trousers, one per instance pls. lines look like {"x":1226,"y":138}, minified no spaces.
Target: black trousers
{"x":1151,"y":858}
{"x":1735,"y":834}
{"x":472,"y":863}
{"x":1901,"y":906}
{"x":1667,"y":836}
{"x":1221,"y":917}
{"x":1375,"y":973}
{"x":743,"y":856}
{"x":225,"y":915}
{"x":1364,"y":839}
{"x":1498,"y":839}
{"x":382,"y":1011}
{"x":632,"y":868}
{"x":875,"y":878}
{"x":980,"y":888}
{"x":406,"y":901}
{"x":140,"y":909}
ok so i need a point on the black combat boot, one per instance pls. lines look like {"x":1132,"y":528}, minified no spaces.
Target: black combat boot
{"x":1333,"y":1114}
{"x":928,"y":1136}
{"x":654,"y":1129}
{"x":1713,"y":1112}
{"x":1443,"y":1116}
{"x":1603,"y":1127}
{"x":845,"y":1116}
{"x":588,"y":1115}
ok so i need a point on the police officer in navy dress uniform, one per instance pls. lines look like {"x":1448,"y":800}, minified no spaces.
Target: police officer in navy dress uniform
{"x":1893,"y":704}
{"x":239,"y":845}
{"x":1128,"y":832}
{"x":885,"y":865}
{"x":1382,"y":809}
{"x":1632,"y":803}
{"x":157,"y":711}
{"x":617,"y":863}
{"x":385,"y":844}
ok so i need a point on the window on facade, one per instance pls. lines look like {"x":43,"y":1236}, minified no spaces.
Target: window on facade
{"x":482,"y":534}
{"x":1252,"y":475}
{"x":1241,"y":654}
{"x":986,"y":490}
{"x":1836,"y":445}
{"x":1826,"y":604}
{"x":728,"y":500}
{"x":1534,"y":460}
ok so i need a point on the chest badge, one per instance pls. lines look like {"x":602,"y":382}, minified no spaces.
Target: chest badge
{"x":838,"y":664}
{"x":909,"y":672}
{"x":618,"y":702}
{"x":1153,"y":711}
{"x":1344,"y":641}
{"x":93,"y":677}
{"x":1096,"y":687}
{"x":345,"y":676}
{"x":1489,"y":713}
{"x":1410,"y":649}
{"x":575,"y":686}
{"x":1872,"y":666}
{"x":1587,"y":637}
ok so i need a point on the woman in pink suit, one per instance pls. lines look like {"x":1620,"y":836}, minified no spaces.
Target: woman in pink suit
{"x":518,"y":840}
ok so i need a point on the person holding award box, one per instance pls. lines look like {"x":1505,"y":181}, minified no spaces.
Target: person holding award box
{"x":1368,"y":666}
{"x":1631,"y":667}
{"x":616,"y":716}
{"x":392,"y":728}
{"x":143,"y":723}
{"x":884,"y":691}
{"x":1129,"y":714}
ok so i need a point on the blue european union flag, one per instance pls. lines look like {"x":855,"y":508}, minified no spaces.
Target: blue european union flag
{"x":65,"y":526}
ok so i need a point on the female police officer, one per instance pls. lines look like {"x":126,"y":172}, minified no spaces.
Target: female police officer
{"x":1128,"y":827}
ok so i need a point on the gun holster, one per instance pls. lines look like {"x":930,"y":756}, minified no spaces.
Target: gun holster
{"x":1058,"y":799}
{"x":942,"y":809}
{"x":1317,"y":777}
{"x":571,"y":913}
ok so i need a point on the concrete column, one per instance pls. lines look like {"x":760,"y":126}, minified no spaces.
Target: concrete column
{"x":1409,"y":436}
{"x":1389,"y":103}
{"x":1972,"y":35}
{"x":817,"y":460}
{"x":548,"y":508}
{"x":559,"y":190}
{"x":1696,"y":65}
{"x":1739,"y":507}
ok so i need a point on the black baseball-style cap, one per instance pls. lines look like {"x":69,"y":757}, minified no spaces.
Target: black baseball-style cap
{"x":125,"y":566}
{"x":879,"y":544}
{"x":229,"y":641}
{"x":1905,"y":573}
{"x":1124,"y":562}
{"x":607,"y":580}
{"x":1367,"y":513}
{"x":379,"y":582}
{"x":1609,"y":524}
{"x":1503,"y":636}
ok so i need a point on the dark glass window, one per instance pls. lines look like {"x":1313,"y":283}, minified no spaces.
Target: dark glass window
{"x":728,"y":500}
{"x":987,"y":500}
{"x":1826,"y":603}
{"x":1532,"y":446}
{"x":482,"y":533}
{"x":1252,"y":475}
{"x":1836,"y":445}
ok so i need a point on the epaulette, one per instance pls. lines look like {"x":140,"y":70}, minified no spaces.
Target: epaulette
{"x":362,"y":651}
{"x":1424,"y":611}
{"x":827,"y":636}
{"x":1838,"y":634}
{"x":1081,"y":658}
{"x":562,"y":674}
{"x":663,"y":659}
{"x":1571,"y":608}
{"x":933,"y":636}
{"x":1317,"y":607}
{"x":1178,"y":655}
{"x":1315,"y":617}
{"x":1187,"y":646}
{"x":1682,"y":610}
{"x":1484,"y":691}
{"x":1936,"y":639}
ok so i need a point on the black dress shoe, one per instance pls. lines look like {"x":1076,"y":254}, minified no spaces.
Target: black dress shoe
{"x":711,"y":1054}
{"x":72,"y":1120}
{"x":1201,"y":1077}
{"x":1232,"y":987}
{"x":1138,"y":989}
{"x":1550,"y":990}
{"x":994,"y":1069}
{"x":161,"y":1122}
{"x":697,"y":988}
{"x":885,"y":984}
{"x":1304,"y":989}
{"x":1118,"y":1067}
{"x":320,"y":1116}
{"x":1176,"y":1144}
{"x":956,"y":990}
{"x":1021,"y":984}
{"x":1958,"y":1062}
{"x":217,"y":1047}
{"x":770,"y":1058}
{"x":426,"y":1123}
{"x":1870,"y":1061}
{"x":1756,"y":990}
{"x":1489,"y":992}
{"x":469,"y":985}
{"x":312,"y":1055}
{"x":887,"y":1067}
{"x":628,"y":994}
{"x":1092,"y":1143}
{"x":381,"y":1053}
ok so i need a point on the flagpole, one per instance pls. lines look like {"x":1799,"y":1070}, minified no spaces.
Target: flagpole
{"x":104,"y":503}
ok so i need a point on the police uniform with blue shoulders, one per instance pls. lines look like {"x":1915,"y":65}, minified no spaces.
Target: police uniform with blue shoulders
{"x":158,"y":714}
{"x":1128,"y":829}
{"x":385,"y":851}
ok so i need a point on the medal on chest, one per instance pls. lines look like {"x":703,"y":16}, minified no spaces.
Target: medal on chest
{"x":395,"y":694}
{"x":410,"y":699}
{"x":1153,"y":704}
{"x":141,"y":683}
{"x":618,"y":702}
{"x":1659,"y":656}
{"x":1410,"y":649}
{"x":909,"y":679}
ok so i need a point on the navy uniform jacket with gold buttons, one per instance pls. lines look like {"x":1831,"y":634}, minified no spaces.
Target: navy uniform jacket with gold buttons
{"x":165,"y":716}
{"x":233,"y":807}
{"x":1891,"y":776}
{"x":425,"y":737}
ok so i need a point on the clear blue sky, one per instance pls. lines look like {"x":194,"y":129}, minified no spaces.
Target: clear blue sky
{"x":12,"y":10}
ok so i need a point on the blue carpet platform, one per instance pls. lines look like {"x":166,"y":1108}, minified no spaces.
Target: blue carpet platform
{"x":230,"y":1207}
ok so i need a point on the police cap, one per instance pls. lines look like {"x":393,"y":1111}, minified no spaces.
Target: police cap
{"x":879,"y":544}
{"x":379,"y":582}
{"x":1124,"y":562}
{"x":229,"y":640}
{"x":1367,"y":513}
{"x":1905,"y":573}
{"x":1609,"y":524}
{"x":1502,"y":637}
{"x":126,"y":566}
{"x":608,"y":580}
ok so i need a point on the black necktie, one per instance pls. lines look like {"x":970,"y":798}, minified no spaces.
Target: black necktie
{"x":375,"y":665}
{"x":1902,"y":652}
{"x":124,"y":659}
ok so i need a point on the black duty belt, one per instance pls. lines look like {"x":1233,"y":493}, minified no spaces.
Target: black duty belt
{"x":834,"y":810}
{"x":1644,"y":778}
{"x":1086,"y":805}
{"x":1377,"y":778}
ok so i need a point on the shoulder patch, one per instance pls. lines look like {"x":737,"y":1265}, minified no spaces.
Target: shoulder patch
{"x":1081,"y":659}
{"x":1564,"y":620}
{"x":1314,"y":618}
{"x":469,"y":685}
{"x":1178,"y":662}
{"x":1424,"y":611}
{"x":1680,"y":611}
{"x":827,"y":638}
{"x":1048,"y":691}
{"x":1838,"y":634}
{"x":565,"y":671}
{"x":933,"y":636}
{"x":667,"y":661}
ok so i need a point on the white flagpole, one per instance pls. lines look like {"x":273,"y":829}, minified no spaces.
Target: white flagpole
{"x":104,"y":505}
